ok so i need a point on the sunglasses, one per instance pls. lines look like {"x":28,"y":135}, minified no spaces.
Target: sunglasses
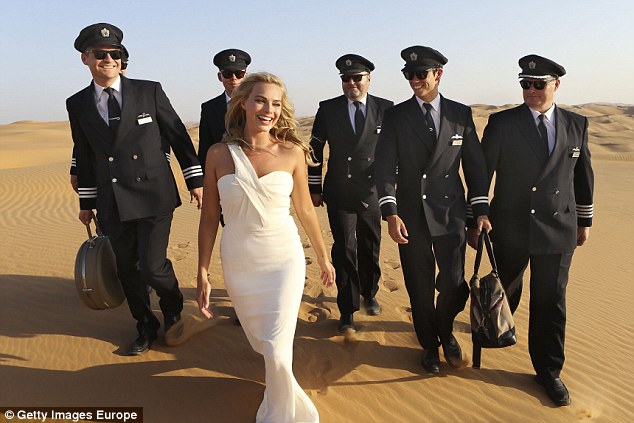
{"x":409,"y":75}
{"x":239,"y":74}
{"x":101,"y":54}
{"x":355,"y":78}
{"x":538,"y":85}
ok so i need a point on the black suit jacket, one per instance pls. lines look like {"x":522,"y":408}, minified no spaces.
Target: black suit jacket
{"x":539,"y":201}
{"x":212,"y":125}
{"x":428,"y":170}
{"x":350,"y":179}
{"x":128,"y":177}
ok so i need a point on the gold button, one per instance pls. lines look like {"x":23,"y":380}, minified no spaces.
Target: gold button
{"x":114,"y":180}
{"x":134,"y":157}
{"x":424,"y":197}
{"x":424,"y":176}
{"x":111,"y":159}
{"x":349,"y":175}
{"x":534,"y":189}
{"x":533,"y":211}
{"x":349,"y":159}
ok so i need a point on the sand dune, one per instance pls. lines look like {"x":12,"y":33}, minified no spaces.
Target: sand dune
{"x":56,"y":352}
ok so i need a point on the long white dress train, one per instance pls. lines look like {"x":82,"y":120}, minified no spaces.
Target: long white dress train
{"x":264,"y":270}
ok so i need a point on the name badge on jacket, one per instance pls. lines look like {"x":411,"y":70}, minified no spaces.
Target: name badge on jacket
{"x":456,"y":140}
{"x":377,"y":130}
{"x":575,"y":152}
{"x":143,"y":118}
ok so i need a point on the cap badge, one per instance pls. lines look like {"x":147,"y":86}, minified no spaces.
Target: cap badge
{"x":413,"y":57}
{"x":232,"y":58}
{"x":348,"y":62}
{"x":532,"y":65}
{"x":105,"y":32}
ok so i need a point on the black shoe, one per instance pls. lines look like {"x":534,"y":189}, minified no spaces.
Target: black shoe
{"x":454,"y":355}
{"x":431,"y":360}
{"x":346,"y":322}
{"x":372,"y":306}
{"x":171,"y":320}
{"x":555,"y":389}
{"x":142,"y":343}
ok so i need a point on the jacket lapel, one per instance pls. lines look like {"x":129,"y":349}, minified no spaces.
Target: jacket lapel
{"x":344,"y":115}
{"x":100,"y":131}
{"x":529,"y":131}
{"x":444,"y":135}
{"x":128,"y":109}
{"x":561,"y":141}
{"x":417,"y":118}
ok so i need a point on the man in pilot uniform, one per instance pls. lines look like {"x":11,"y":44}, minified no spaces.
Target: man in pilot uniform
{"x":541,"y":209}
{"x":350,"y":124}
{"x":232,"y":68}
{"x":429,"y":137}
{"x":122,"y":172}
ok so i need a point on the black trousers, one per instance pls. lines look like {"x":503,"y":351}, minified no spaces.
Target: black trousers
{"x":355,"y":255}
{"x":140,"y":247}
{"x":434,"y":322}
{"x":547,"y":309}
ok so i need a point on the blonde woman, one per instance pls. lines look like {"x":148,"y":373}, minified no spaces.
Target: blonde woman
{"x":255,"y":173}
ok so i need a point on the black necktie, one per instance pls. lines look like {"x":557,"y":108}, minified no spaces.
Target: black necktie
{"x":543,"y":133}
{"x":359,"y":119}
{"x":114,"y":111}
{"x":430,"y":120}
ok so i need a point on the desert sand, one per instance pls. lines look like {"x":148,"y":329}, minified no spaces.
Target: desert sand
{"x":55,"y":352}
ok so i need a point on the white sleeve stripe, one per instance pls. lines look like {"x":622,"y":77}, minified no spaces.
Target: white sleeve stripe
{"x":582,"y":207}
{"x":314,"y":183}
{"x":87,"y":195}
{"x":387,"y":199}
{"x":484,"y":201}
{"x":194,"y":174}
{"x":191,"y":168}
{"x":88,"y":189}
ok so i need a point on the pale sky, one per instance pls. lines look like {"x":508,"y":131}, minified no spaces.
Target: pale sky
{"x":174,"y":42}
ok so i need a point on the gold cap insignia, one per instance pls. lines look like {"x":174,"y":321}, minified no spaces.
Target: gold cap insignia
{"x":532,"y":65}
{"x":105,"y":32}
{"x":348,"y":62}
{"x":413,"y":56}
{"x":232,"y":58}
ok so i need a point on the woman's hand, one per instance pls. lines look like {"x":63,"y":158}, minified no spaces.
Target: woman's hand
{"x":202,"y":295}
{"x":327,"y":274}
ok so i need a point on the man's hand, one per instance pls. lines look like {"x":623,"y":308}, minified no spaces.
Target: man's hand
{"x":196,"y":194}
{"x":397,"y":229}
{"x":582,"y":235}
{"x":85,"y":216}
{"x":474,"y":233}
{"x":318,"y":200}
{"x":73,"y":183}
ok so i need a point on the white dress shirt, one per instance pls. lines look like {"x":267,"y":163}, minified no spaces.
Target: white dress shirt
{"x":352,"y":109}
{"x":549,"y":121}
{"x":101,"y":98}
{"x":435,"y":111}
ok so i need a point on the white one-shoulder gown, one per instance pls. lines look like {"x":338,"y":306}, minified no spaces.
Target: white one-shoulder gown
{"x":264,"y":270}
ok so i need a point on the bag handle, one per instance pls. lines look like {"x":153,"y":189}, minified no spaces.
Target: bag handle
{"x":97,"y":228}
{"x":484,"y":239}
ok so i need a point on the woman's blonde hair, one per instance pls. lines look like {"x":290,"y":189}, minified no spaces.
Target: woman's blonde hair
{"x":285,"y":130}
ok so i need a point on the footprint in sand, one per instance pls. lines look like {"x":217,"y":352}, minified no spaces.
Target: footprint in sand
{"x":308,"y":261}
{"x":305,"y":245}
{"x":394,"y":264}
{"x":390,"y":285}
{"x":584,"y":414}
{"x":188,"y":326}
{"x":177,"y":253}
{"x":406,"y":313}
